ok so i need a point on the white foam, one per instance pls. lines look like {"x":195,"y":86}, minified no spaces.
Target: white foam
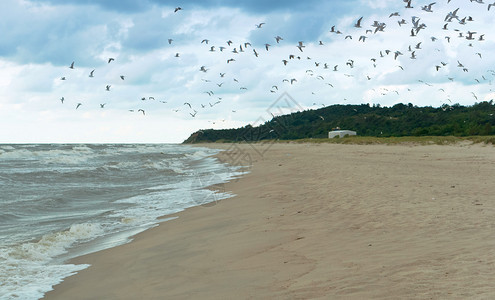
{"x":35,"y":279}
{"x":173,"y":165}
{"x":201,"y":154}
{"x":29,"y":269}
{"x":25,"y":269}
{"x":54,"y":244}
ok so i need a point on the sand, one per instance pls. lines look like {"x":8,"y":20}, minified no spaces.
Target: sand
{"x":319,"y":221}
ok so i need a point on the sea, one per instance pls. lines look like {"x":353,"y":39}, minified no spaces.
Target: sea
{"x":60,"y":201}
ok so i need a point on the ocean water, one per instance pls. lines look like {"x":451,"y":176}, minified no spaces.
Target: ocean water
{"x":61,"y":201}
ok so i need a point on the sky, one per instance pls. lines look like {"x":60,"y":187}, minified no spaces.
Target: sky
{"x":181,"y":75}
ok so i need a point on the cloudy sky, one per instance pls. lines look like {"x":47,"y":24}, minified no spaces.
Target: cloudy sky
{"x":160,"y":53}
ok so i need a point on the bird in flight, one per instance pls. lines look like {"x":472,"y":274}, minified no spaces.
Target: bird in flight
{"x":111,"y":59}
{"x":259,"y":25}
{"x":71,"y":65}
{"x":427,"y":8}
{"x":78,"y":104}
{"x":358,"y":23}
{"x":177,"y":9}
{"x":91,"y":74}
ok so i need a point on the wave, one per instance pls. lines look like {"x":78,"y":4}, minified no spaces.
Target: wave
{"x":25,"y":270}
{"x":61,"y":155}
{"x":107,"y":192}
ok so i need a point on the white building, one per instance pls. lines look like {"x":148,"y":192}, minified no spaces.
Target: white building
{"x":340,"y":133}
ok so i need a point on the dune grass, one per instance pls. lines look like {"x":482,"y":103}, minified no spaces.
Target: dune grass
{"x":370,"y":140}
{"x":417,"y":140}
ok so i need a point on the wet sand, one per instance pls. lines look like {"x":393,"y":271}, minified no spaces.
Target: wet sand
{"x":319,"y":221}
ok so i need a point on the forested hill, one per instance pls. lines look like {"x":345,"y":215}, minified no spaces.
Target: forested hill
{"x":366,"y":120}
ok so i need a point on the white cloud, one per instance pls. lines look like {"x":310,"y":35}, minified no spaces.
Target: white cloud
{"x":30,"y":109}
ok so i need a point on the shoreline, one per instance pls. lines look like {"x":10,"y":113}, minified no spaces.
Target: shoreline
{"x":318,"y":221}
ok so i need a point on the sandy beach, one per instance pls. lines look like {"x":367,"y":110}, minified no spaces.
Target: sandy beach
{"x":319,"y":221}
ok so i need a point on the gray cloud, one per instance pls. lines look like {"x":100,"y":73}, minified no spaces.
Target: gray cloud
{"x":254,"y":6}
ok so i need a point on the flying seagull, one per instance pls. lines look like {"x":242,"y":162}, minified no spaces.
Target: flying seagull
{"x":427,"y":8}
{"x":358,"y":23}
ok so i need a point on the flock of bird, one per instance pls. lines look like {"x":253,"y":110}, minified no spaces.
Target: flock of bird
{"x":328,"y":73}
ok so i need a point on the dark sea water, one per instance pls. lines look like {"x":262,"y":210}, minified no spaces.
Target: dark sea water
{"x":61,"y":201}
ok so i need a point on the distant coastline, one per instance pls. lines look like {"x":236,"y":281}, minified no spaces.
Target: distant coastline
{"x":446,"y":123}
